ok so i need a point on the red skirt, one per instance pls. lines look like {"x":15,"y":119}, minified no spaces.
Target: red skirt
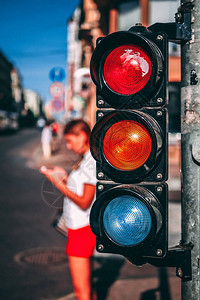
{"x":81,"y":242}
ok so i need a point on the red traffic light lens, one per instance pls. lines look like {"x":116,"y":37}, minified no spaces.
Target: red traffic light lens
{"x":127,"y":69}
{"x":127,"y":145}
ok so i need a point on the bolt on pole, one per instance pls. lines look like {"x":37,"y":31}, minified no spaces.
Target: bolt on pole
{"x":190,"y":131}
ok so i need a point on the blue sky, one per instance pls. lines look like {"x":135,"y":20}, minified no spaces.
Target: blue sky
{"x":33,"y":37}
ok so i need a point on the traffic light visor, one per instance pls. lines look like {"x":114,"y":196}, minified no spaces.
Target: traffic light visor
{"x":127,"y":145}
{"x":130,"y":219}
{"x":127,"y":69}
{"x":127,"y":220}
{"x":130,"y":70}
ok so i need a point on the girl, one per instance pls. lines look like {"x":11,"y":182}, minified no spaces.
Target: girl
{"x":79,"y":190}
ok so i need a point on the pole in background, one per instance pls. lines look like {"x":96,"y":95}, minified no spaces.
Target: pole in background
{"x":190,"y":130}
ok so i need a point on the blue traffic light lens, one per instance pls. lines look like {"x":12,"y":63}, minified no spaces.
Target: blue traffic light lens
{"x":127,"y":220}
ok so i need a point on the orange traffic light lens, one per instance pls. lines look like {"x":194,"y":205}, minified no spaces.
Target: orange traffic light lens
{"x":127,"y":69}
{"x":127,"y":145}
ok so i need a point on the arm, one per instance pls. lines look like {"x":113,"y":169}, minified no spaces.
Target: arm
{"x":84,"y":201}
{"x":59,"y":179}
{"x":55,"y":175}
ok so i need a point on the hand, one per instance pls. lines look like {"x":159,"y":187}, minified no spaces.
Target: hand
{"x":55,"y":175}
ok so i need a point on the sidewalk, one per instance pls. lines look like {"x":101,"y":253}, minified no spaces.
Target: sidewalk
{"x":118,"y":279}
{"x":115,"y":277}
{"x":60,"y":157}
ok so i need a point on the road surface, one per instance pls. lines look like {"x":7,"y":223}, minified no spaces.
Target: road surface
{"x":33,"y":263}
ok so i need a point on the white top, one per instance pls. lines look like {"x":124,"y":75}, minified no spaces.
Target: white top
{"x":75,"y":217}
{"x":46,"y":136}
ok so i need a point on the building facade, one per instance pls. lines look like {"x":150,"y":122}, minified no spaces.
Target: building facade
{"x":97,"y":18}
{"x":101,"y":17}
{"x":11,"y":95}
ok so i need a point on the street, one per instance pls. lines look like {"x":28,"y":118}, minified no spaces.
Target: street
{"x":33,"y":262}
{"x":25,"y":226}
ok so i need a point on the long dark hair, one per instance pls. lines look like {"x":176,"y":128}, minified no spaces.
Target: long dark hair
{"x":76,"y":126}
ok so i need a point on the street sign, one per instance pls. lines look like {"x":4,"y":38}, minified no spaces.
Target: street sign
{"x":57,"y":74}
{"x":57,"y":104}
{"x":57,"y":89}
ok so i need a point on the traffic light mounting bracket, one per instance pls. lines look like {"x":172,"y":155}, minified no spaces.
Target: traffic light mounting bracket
{"x":177,"y":256}
{"x":179,"y":31}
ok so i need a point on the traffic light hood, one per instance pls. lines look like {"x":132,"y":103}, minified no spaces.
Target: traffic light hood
{"x":129,"y":145}
{"x":127,"y":219}
{"x":128,"y":68}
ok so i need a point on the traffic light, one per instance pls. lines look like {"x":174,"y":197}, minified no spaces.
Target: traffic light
{"x":129,"y":144}
{"x":129,"y":69}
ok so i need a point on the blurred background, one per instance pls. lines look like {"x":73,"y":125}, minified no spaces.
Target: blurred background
{"x":45,"y":52}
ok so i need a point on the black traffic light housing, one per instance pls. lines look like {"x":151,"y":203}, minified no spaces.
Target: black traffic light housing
{"x":130,"y":71}
{"x":129,"y":142}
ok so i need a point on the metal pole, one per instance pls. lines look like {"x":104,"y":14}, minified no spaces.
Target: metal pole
{"x":144,"y":5}
{"x":190,"y":130}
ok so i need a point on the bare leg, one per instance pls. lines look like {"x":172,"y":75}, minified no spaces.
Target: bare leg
{"x":80,"y":268}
